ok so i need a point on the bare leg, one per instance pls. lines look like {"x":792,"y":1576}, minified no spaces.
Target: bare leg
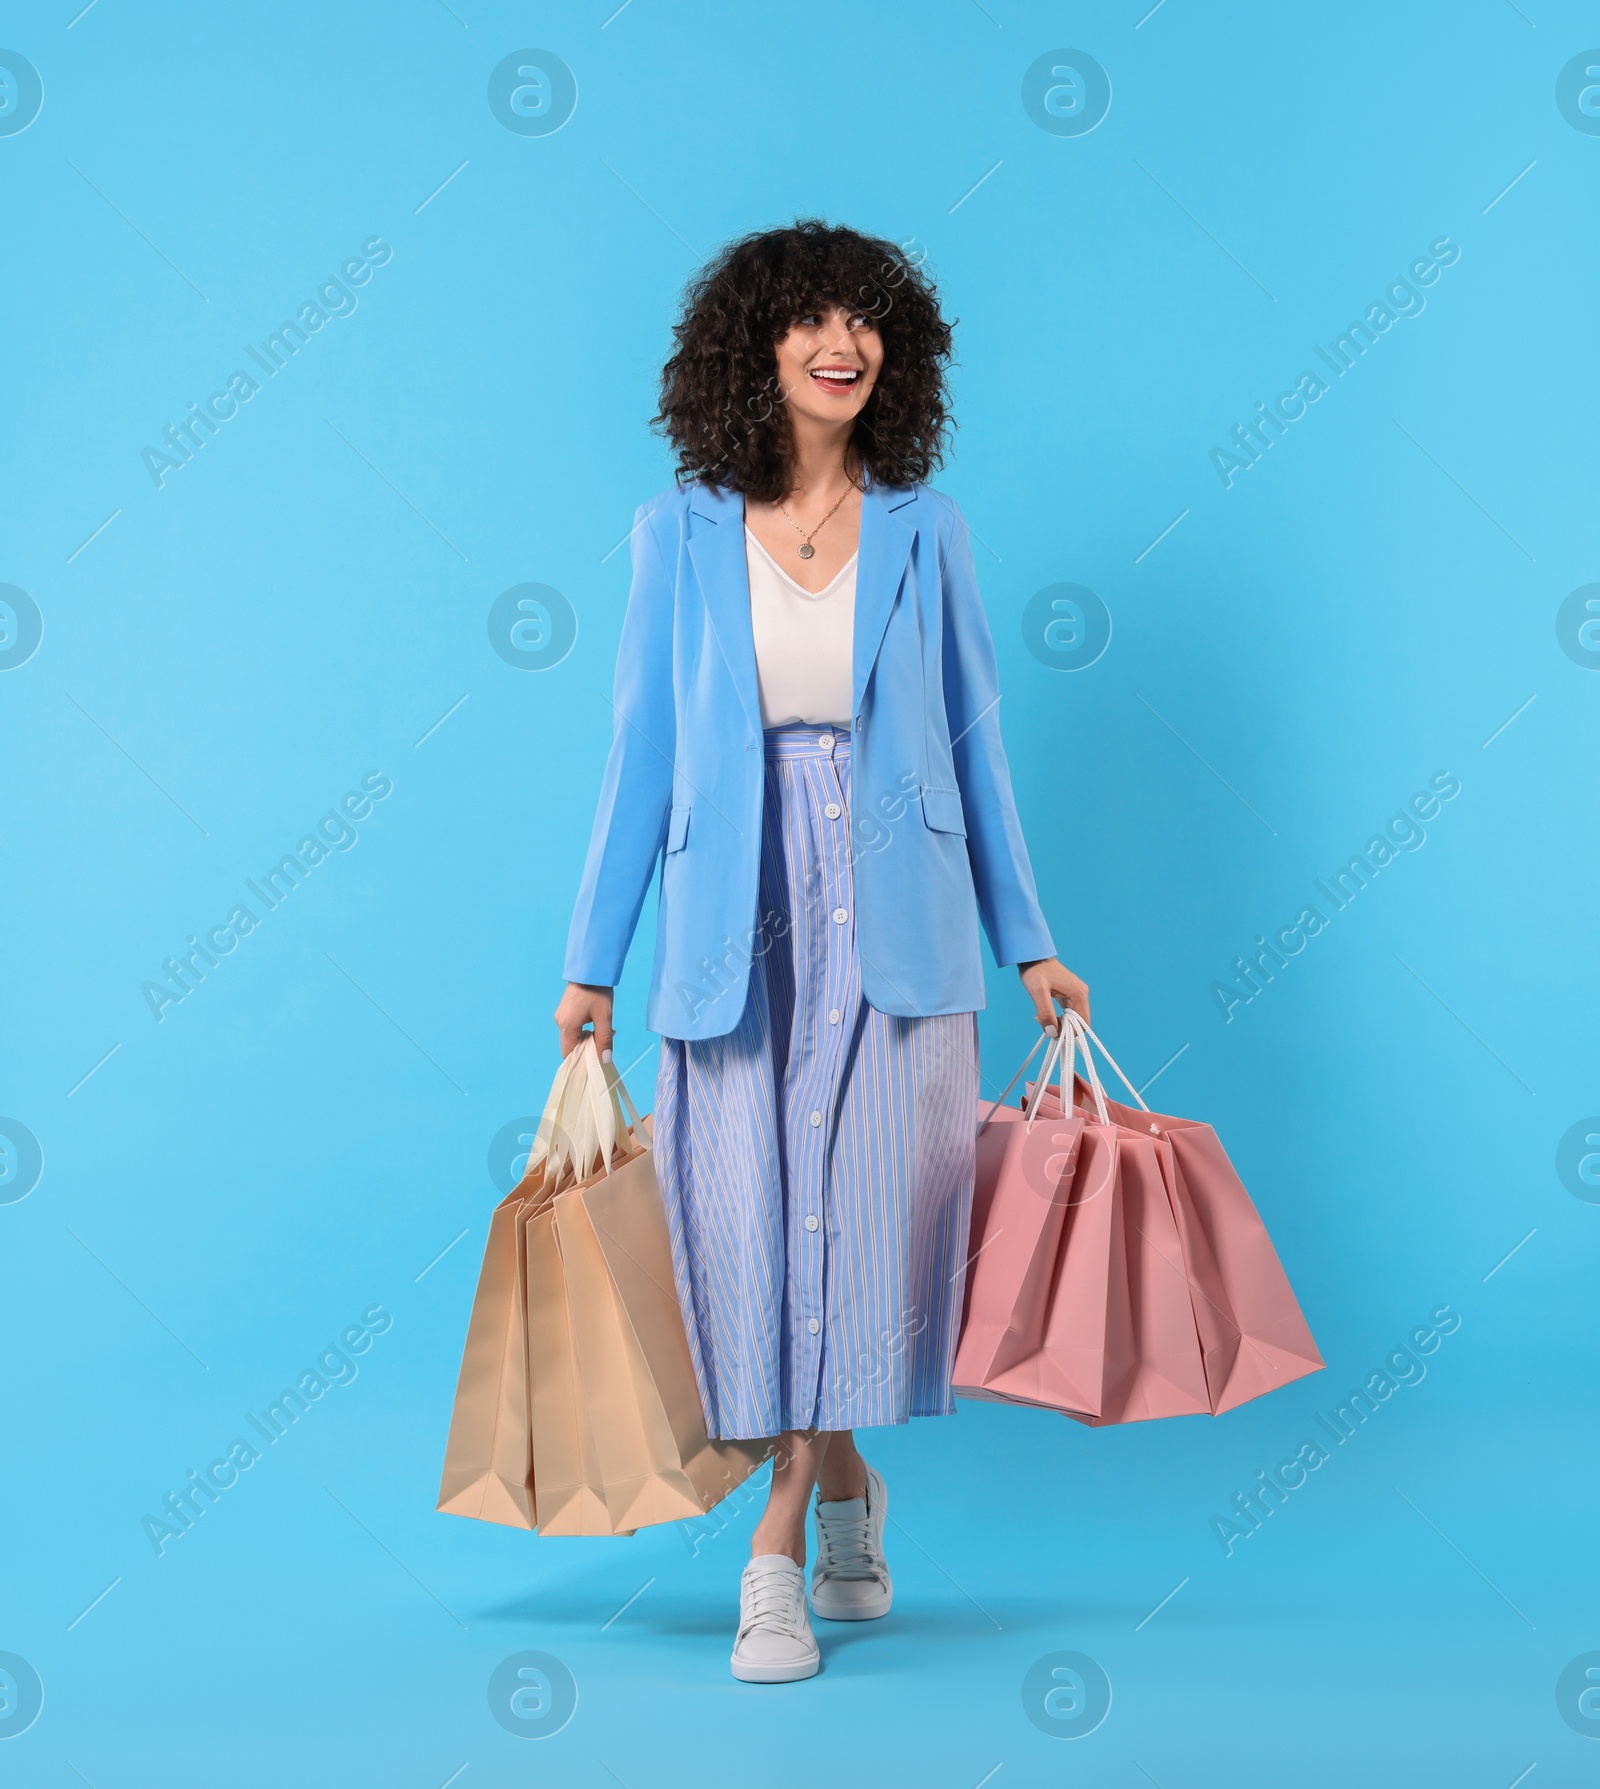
{"x":796,"y":1459}
{"x":843,"y":1472}
{"x":800,"y":1460}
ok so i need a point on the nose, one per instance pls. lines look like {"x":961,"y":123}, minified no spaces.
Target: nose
{"x":837,"y":338}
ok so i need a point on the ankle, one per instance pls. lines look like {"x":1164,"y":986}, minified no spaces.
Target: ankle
{"x":790,"y":1545}
{"x":847,"y":1484}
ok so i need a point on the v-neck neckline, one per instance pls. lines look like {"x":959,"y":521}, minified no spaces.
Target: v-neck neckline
{"x":794,"y":583}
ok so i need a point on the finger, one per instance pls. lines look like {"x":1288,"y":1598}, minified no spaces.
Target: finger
{"x":1044,"y":1007}
{"x":604,"y":1036}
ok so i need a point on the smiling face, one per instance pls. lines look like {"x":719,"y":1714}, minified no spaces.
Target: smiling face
{"x":828,"y":364}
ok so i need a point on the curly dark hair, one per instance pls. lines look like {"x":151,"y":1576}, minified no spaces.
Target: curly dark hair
{"x":721,"y":407}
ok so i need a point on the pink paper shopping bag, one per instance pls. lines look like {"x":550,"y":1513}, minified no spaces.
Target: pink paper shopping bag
{"x":1131,"y":1276}
{"x":1024,"y":1183}
{"x":1252,"y":1333}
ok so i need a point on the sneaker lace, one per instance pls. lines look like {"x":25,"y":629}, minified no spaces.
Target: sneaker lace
{"x":843,"y":1549}
{"x":771,"y":1601}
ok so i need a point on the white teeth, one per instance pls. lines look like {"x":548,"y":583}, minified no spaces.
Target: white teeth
{"x":836,"y":375}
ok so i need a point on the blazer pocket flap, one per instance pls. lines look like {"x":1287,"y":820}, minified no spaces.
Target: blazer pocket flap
{"x":941,"y":810}
{"x":677,"y":829}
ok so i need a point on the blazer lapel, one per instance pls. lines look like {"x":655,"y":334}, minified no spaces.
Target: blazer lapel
{"x":716,"y":547}
{"x":882,"y":551}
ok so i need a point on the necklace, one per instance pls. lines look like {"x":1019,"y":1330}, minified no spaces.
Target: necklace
{"x":805,"y":549}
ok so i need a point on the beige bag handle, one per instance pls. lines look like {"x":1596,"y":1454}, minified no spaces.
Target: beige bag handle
{"x":550,"y":1139}
{"x":595,"y":1115}
{"x":614,"y":1083}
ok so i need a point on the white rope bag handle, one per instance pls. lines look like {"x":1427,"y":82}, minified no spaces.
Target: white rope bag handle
{"x":1071,"y":1036}
{"x":1043,"y":1036}
{"x":1064,"y":1055}
{"x":1088,"y":1037}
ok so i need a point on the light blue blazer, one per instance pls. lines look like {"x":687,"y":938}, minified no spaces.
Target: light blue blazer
{"x":936,"y":840}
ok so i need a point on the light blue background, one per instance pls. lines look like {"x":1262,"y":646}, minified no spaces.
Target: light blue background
{"x":301,"y":1137}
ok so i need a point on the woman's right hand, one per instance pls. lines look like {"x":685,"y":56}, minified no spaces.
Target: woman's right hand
{"x":582,"y":1005}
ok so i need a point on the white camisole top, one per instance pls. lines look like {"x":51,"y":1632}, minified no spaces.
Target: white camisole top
{"x":805,"y":642}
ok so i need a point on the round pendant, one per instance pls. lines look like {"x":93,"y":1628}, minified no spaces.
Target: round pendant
{"x":806,"y":550}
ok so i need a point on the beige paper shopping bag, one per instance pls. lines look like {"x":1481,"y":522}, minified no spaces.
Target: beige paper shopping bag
{"x":488,"y":1466}
{"x":488,"y":1463}
{"x":645,"y":1414}
{"x":632,"y":1447}
{"x":578,"y":1410}
{"x":571,"y":1495}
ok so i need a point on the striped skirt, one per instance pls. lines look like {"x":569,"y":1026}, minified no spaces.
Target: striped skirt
{"x":816,"y":1162}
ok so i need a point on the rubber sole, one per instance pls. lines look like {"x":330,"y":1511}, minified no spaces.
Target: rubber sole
{"x":777,"y":1673}
{"x":824,"y":1613}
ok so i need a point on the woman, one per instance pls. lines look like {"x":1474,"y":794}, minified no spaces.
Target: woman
{"x":807,"y":739}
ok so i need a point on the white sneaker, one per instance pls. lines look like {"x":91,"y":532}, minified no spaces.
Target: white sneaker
{"x":850,"y":1581}
{"x":775,"y":1643}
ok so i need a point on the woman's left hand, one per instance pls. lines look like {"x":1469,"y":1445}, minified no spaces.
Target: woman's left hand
{"x":1048,"y":980}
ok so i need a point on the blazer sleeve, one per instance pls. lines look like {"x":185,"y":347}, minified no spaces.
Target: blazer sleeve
{"x":630,"y":823}
{"x":1008,"y":902}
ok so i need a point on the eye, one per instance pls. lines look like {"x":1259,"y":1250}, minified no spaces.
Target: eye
{"x":861,"y":320}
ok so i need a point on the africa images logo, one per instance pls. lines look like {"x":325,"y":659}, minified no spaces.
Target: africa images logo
{"x":182,"y":972}
{"x":1250,"y":440}
{"x":182,"y":440}
{"x":532,"y":92}
{"x":181,"y":1510}
{"x":21,"y":93}
{"x":1403,"y":831}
